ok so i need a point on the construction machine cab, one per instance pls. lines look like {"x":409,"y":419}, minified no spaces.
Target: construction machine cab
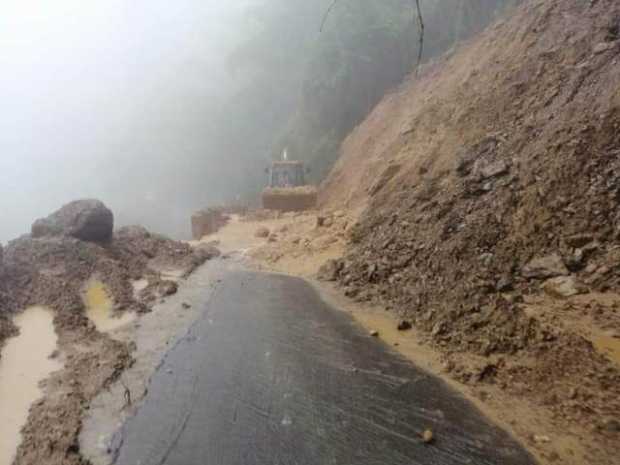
{"x":284,"y":174}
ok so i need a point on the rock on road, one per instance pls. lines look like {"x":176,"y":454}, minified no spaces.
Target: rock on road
{"x":272,"y":375}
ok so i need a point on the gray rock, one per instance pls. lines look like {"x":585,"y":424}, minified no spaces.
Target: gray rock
{"x":563,"y":286}
{"x":497,"y":168}
{"x":603,"y":47}
{"x":505,"y":284}
{"x":167,"y":288}
{"x":88,"y":220}
{"x":330,"y":270}
{"x":207,"y":251}
{"x":611,"y":424}
{"x":579,"y":240}
{"x":545,"y":267}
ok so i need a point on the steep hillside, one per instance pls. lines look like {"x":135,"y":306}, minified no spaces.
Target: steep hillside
{"x":491,"y":191}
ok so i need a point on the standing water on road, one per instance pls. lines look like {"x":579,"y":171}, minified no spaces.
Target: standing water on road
{"x":24,"y":364}
{"x":100,"y":308}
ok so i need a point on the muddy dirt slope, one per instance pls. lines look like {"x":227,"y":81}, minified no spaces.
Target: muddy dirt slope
{"x":51,"y":268}
{"x":491,"y":187}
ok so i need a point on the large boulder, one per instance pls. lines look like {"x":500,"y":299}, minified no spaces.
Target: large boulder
{"x":88,"y":220}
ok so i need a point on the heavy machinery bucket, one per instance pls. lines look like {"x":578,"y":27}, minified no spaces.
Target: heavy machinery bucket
{"x":290,"y":199}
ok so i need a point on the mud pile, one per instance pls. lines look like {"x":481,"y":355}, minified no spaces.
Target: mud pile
{"x":494,"y":179}
{"x":51,"y":270}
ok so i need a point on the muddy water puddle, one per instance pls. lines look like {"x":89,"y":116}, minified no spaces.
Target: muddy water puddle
{"x":100,"y":308}
{"x":25,"y":363}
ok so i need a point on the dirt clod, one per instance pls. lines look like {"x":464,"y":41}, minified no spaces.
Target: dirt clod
{"x":427,"y":436}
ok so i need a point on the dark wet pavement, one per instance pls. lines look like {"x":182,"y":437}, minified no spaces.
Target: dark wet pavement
{"x":271,"y":375}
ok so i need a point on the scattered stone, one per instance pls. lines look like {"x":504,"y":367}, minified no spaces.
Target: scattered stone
{"x":438,"y":329}
{"x":374,"y":333}
{"x":168,"y":288}
{"x":186,"y":306}
{"x":427,"y":436}
{"x":330,"y":270}
{"x":611,"y":424}
{"x":545,"y":267}
{"x":262,"y":232}
{"x":206,"y":252}
{"x":320,"y":221}
{"x":404,"y":325}
{"x":87,"y":220}
{"x":541,"y":439}
{"x":563,"y":287}
{"x":576,"y":261}
{"x":272,"y":237}
{"x":603,"y":47}
{"x":495,"y":169}
{"x":505,"y":284}
{"x":572,"y":393}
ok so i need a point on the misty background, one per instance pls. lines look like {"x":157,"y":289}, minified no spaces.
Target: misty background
{"x":161,"y":108}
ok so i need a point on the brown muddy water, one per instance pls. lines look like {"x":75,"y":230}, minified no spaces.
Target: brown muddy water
{"x":100,"y":308}
{"x":25,"y":363}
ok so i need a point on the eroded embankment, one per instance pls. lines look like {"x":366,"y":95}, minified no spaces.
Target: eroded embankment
{"x":491,"y":186}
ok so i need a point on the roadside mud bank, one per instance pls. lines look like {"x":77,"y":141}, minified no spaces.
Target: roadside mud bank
{"x":27,"y":360}
{"x":56,"y":267}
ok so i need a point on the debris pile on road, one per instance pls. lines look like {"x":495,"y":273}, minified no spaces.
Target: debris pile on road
{"x":50,"y":268}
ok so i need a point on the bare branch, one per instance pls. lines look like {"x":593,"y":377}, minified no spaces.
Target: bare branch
{"x":420,"y":24}
{"x":421,"y":39}
{"x":329,"y":10}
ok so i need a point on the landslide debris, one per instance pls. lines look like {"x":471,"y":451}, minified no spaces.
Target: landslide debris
{"x":50,"y":268}
{"x":492,"y":180}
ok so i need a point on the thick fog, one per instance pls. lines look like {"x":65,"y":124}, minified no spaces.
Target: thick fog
{"x":160,"y":108}
{"x":110,"y":99}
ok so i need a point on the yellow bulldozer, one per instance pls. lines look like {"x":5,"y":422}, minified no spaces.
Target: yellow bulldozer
{"x":287,"y":190}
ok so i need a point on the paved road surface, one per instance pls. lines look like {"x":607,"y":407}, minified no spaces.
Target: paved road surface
{"x":271,"y":375}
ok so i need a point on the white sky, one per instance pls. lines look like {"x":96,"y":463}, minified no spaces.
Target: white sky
{"x":77,"y":77}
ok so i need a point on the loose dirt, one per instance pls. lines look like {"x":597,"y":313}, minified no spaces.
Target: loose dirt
{"x":490,"y":195}
{"x":89,"y":289}
{"x":292,"y":242}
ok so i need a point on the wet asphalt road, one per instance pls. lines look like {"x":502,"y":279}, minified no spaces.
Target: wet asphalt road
{"x":271,"y":375}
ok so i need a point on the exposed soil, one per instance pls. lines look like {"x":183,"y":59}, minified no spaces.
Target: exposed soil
{"x":52,"y":271}
{"x":495,"y":206}
{"x":295,"y":242}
